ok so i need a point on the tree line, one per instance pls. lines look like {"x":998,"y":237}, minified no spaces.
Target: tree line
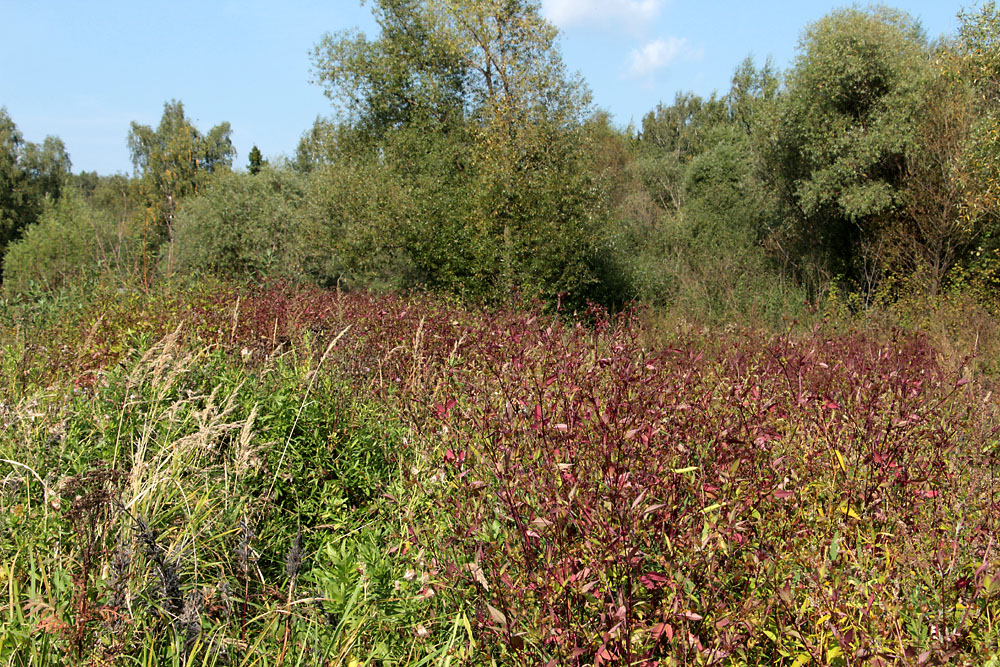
{"x":462,"y":156}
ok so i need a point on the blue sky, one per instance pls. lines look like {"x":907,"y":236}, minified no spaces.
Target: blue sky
{"x":84,"y":70}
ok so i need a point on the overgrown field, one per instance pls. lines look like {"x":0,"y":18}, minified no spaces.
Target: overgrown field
{"x":275,"y":475}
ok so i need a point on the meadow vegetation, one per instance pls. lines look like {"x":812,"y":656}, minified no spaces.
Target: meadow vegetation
{"x":274,"y":474}
{"x":478,"y":378}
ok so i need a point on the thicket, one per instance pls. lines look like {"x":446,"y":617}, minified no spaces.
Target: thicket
{"x":70,"y":243}
{"x":242,"y":224}
{"x":463,"y":158}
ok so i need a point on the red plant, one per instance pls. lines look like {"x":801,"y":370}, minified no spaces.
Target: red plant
{"x":610,"y":503}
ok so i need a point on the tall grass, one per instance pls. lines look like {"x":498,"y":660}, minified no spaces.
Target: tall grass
{"x":188,"y":509}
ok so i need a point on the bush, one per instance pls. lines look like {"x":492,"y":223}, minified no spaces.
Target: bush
{"x":69,"y":242}
{"x":241,"y":224}
{"x":354,"y":212}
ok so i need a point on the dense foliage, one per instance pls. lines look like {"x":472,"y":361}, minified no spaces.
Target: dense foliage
{"x":477,"y":377}
{"x":462,"y":157}
{"x":222,"y":475}
{"x":30,"y":175}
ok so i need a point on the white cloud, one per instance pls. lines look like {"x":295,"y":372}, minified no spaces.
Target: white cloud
{"x":659,"y":54}
{"x":571,"y":12}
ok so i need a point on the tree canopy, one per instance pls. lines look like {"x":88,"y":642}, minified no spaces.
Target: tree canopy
{"x":461,"y":155}
{"x":846,"y":124}
{"x":30,"y":175}
{"x":469,"y":104}
{"x":175,"y":159}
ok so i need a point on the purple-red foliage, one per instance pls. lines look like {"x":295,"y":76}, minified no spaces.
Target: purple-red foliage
{"x":612,"y":503}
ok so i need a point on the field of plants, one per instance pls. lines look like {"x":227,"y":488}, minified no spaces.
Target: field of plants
{"x":276,"y":475}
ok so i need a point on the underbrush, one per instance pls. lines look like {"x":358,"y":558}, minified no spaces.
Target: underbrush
{"x":281,"y":475}
{"x":182,"y":507}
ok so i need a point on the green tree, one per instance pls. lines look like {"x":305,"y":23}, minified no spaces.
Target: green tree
{"x":362,"y":224}
{"x":439,"y":62}
{"x":70,"y":241}
{"x":726,"y":217}
{"x":670,"y":138}
{"x":47,"y":169}
{"x":973,"y":63}
{"x":844,"y":129}
{"x":30,"y":175}
{"x":510,"y":61}
{"x":11,"y":181}
{"x":173,"y":161}
{"x":700,"y":210}
{"x":978,"y":63}
{"x":937,"y":229}
{"x":537,"y":213}
{"x":243,"y":224}
{"x":469,"y":104}
{"x":752,"y":93}
{"x":256,"y":161}
{"x":325,"y":143}
{"x":402,"y":77}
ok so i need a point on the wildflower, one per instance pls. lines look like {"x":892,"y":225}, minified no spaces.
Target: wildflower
{"x":244,"y":552}
{"x":189,"y":620}
{"x":293,"y":559}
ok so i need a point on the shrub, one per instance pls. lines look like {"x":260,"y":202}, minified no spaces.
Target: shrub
{"x":69,"y":242}
{"x":354,"y":212}
{"x":241,"y":224}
